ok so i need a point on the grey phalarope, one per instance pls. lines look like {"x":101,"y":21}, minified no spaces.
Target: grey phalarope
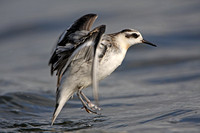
{"x":83,"y":57}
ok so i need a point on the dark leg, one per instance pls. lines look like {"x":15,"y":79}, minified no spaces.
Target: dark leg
{"x":89,"y":103}
{"x":84,"y":104}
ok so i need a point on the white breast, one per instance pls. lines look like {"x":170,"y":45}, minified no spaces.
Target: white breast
{"x":109,"y":63}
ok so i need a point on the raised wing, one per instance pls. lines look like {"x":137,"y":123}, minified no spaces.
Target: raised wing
{"x":87,"y":48}
{"x":68,"y":40}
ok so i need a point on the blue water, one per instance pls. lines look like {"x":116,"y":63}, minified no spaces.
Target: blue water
{"x":154,"y":90}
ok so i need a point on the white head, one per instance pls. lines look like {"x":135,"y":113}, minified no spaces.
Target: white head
{"x":129,"y":37}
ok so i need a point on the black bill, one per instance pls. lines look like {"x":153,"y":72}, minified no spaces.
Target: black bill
{"x":147,"y":42}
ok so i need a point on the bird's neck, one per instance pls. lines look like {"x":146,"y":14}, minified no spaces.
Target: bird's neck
{"x":122,"y":43}
{"x":117,"y":43}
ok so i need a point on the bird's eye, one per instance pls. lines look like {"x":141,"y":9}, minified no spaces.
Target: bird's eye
{"x":135,"y":35}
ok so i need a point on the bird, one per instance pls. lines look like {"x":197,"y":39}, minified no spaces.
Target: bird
{"x":82,"y":57}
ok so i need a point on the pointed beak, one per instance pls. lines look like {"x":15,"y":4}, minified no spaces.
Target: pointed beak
{"x":147,"y":42}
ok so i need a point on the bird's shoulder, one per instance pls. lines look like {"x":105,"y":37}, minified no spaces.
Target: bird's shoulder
{"x":108,"y":45}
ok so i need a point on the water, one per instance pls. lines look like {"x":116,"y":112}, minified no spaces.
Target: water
{"x":155,"y":89}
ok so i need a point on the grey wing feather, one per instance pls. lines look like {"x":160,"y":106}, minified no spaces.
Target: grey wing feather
{"x":87,"y":48}
{"x":95,"y":84}
{"x":82,"y":24}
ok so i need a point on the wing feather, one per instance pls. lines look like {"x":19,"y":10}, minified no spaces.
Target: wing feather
{"x":70,"y":36}
{"x":87,"y":48}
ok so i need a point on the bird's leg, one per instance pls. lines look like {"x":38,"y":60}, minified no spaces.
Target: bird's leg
{"x":89,"y":103}
{"x":84,"y":104}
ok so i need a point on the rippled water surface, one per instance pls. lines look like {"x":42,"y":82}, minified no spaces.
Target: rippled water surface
{"x":155,"y":89}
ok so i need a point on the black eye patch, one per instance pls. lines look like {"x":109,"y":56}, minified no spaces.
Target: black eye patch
{"x":134,"y":35}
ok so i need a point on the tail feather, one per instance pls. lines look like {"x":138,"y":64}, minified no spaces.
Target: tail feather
{"x":57,"y":110}
{"x":62,"y":97}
